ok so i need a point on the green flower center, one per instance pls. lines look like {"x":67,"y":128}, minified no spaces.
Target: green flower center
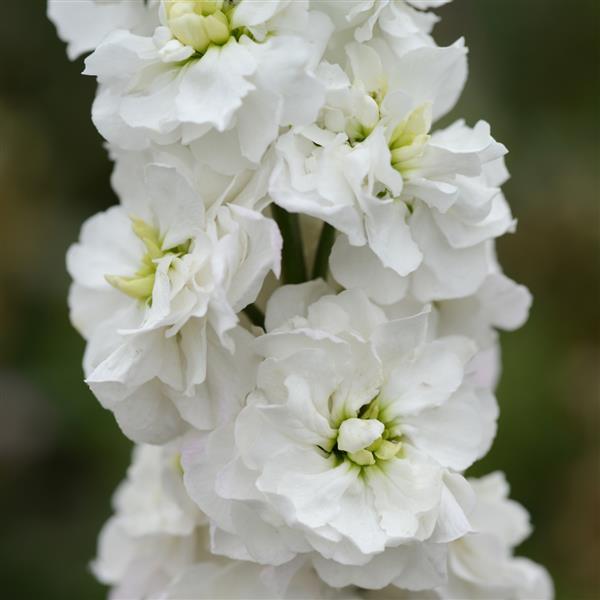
{"x":409,"y":139}
{"x":357,"y":132}
{"x":141,"y":283}
{"x":201,"y":23}
{"x":367,"y":438}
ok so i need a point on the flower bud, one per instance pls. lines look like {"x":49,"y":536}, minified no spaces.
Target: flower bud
{"x":409,"y":138}
{"x":217,"y":28}
{"x":198,"y":23}
{"x":357,"y":434}
{"x":139,"y":288}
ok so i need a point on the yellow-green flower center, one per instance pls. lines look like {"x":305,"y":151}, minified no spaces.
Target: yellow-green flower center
{"x":356,"y":131}
{"x":141,"y":283}
{"x":200,"y":23}
{"x":367,"y":438}
{"x":409,"y":139}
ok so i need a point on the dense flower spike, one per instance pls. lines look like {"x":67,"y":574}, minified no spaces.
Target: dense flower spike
{"x":309,"y":438}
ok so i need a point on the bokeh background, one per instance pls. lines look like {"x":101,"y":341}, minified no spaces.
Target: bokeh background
{"x":534,"y":75}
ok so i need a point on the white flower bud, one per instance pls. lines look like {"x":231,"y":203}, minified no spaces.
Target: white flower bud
{"x":357,"y":434}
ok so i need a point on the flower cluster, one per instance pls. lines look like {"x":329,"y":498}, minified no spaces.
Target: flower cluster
{"x":309,"y":438}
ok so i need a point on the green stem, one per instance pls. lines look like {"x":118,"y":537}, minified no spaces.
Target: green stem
{"x":326,"y":240}
{"x":255,"y":315}
{"x":292,"y":256}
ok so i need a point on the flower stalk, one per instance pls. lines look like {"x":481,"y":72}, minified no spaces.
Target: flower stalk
{"x":293,"y":267}
{"x":321,"y":264}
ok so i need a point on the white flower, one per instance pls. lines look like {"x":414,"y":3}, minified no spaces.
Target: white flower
{"x":85,"y":23}
{"x":243,"y":187}
{"x":498,"y":303}
{"x":426,"y":204}
{"x":349,"y":448}
{"x":218,"y":578}
{"x":157,"y":285}
{"x":482,"y":565}
{"x":482,"y":316}
{"x":154,"y":533}
{"x":227,"y":74}
{"x":156,"y":545}
{"x":404,"y":24}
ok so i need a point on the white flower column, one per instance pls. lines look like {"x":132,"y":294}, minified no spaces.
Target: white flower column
{"x":316,"y":449}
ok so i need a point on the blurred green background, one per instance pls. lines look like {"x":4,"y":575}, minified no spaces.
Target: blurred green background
{"x":534,"y":75}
